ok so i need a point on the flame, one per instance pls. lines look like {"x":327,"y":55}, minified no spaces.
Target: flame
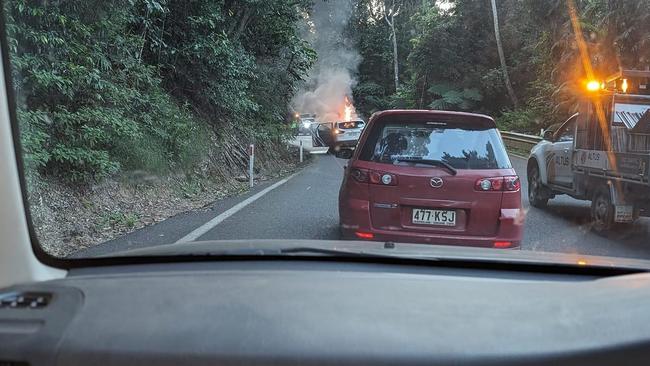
{"x":348,"y":110}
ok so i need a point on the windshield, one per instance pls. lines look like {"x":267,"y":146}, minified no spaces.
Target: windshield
{"x":146,"y":123}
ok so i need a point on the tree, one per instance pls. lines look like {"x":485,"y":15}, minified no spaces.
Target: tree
{"x":502,"y":58}
{"x":106,"y":86}
{"x":389,"y":16}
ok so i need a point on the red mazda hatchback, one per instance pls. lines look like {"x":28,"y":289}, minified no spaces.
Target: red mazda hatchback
{"x":431,"y":177}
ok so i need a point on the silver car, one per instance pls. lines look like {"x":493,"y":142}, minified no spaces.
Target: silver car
{"x":336,"y":135}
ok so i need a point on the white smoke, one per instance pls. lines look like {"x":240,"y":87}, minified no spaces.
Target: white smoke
{"x":334,"y":74}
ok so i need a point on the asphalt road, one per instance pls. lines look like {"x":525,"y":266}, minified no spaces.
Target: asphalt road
{"x":305,"y":207}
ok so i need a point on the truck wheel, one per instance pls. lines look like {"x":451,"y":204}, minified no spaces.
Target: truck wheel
{"x":536,"y":194}
{"x":602,"y":211}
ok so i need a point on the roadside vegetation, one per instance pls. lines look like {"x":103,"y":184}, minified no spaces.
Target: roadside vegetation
{"x":133,"y":110}
{"x":107,"y":87}
{"x":112,"y":86}
{"x":448,"y":55}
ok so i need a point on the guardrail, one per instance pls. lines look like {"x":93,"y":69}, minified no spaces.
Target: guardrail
{"x":519,"y":141}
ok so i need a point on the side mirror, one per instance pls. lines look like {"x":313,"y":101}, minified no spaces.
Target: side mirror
{"x":344,"y":154}
{"x":548,"y":135}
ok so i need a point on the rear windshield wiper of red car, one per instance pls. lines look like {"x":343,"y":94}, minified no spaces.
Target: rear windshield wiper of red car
{"x":421,"y":160}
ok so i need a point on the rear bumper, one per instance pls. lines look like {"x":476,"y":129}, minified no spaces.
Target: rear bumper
{"x":355,"y":218}
{"x":346,"y":143}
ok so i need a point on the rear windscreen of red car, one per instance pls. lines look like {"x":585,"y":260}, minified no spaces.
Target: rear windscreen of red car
{"x":350,"y":125}
{"x":460,"y":147}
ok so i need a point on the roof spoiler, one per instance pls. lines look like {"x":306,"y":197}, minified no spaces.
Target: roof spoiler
{"x":413,"y":115}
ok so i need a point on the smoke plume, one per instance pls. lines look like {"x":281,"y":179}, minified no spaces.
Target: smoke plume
{"x":333,"y":76}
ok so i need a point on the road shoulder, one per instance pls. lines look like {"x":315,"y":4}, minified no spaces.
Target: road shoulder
{"x":178,"y":226}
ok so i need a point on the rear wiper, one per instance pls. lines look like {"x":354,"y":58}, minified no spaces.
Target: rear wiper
{"x":421,"y":160}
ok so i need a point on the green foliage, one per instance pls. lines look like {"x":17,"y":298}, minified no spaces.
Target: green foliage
{"x":406,"y":97}
{"x":447,"y":97}
{"x":108,"y":86}
{"x":370,"y":97}
{"x":525,"y":120}
{"x":34,"y":138}
{"x":190,"y":188}
{"x":449,"y":58}
{"x":117,"y":220}
{"x":368,"y":29}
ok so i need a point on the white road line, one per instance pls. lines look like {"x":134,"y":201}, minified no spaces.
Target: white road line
{"x":198,"y":232}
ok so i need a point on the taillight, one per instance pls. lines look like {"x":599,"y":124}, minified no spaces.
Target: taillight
{"x":512,"y":183}
{"x":508,"y":183}
{"x":489,"y":184}
{"x":362,"y":235}
{"x":502,"y":244}
{"x":374,"y":177}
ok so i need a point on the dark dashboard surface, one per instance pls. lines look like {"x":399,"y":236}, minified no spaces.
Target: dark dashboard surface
{"x":311,"y":312}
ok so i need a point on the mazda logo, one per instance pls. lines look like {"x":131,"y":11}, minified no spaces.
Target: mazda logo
{"x":436,"y":182}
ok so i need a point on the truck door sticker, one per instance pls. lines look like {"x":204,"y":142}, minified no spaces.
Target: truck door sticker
{"x":561,"y":160}
{"x":591,"y":159}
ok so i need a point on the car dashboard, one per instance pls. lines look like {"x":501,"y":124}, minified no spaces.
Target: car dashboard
{"x":264,"y":312}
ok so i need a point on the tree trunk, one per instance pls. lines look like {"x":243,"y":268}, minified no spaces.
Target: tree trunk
{"x":391,"y":24}
{"x":424,"y":89}
{"x":502,"y":58}
{"x":395,"y":60}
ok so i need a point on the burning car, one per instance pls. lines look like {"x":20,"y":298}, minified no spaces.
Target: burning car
{"x":337,"y":135}
{"x":342,"y":131}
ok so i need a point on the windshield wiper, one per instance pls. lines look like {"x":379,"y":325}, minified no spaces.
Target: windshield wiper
{"x":305,"y":250}
{"x":434,"y":162}
{"x":256,"y":251}
{"x":341,"y":252}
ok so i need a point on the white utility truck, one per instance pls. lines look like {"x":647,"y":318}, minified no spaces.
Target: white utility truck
{"x":601,"y":153}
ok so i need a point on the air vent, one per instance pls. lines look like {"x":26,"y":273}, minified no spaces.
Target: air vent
{"x":24,"y":300}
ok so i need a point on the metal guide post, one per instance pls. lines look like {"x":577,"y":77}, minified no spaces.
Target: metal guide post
{"x":251,"y":164}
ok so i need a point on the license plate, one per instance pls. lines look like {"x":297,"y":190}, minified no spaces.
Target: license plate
{"x":434,"y":217}
{"x":624,"y":213}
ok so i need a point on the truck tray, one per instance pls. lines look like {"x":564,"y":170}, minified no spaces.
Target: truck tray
{"x":631,"y":166}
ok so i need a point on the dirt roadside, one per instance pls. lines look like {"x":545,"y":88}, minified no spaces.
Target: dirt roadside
{"x":68,"y":219}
